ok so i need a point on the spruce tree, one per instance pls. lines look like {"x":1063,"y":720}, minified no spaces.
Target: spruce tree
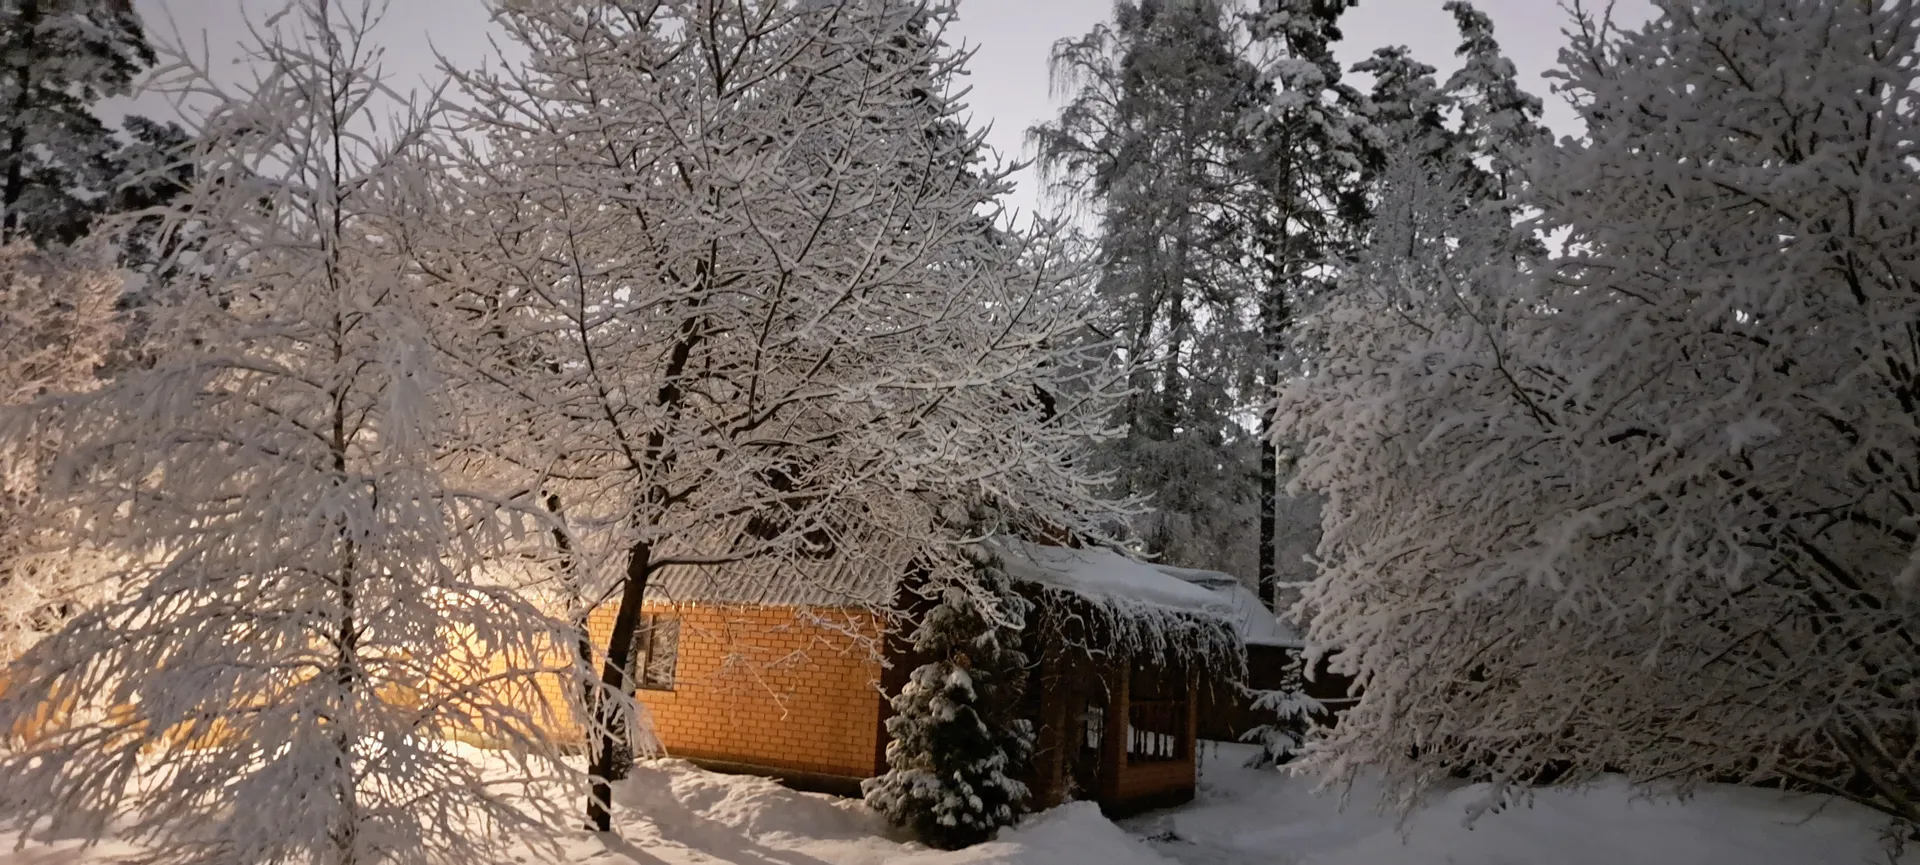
{"x":57,"y":160}
{"x":1499,"y":120}
{"x":1409,"y":111}
{"x":153,"y":166}
{"x":1292,"y":712}
{"x":955,"y":743}
{"x":1443,"y":190}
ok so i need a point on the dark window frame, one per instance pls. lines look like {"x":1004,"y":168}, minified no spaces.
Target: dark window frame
{"x":659,"y":635}
{"x":1159,"y":705}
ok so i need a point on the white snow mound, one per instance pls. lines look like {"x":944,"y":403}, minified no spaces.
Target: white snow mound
{"x":1608,"y":824}
{"x":1245,"y":816}
{"x":674,"y":794}
{"x":1072,"y":834}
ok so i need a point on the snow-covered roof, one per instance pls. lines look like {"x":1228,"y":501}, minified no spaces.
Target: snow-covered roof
{"x":1104,"y":576}
{"x":1257,"y":625}
{"x":871,"y":566}
{"x":1135,"y":608}
{"x":1139,"y":609}
{"x":864,"y":570}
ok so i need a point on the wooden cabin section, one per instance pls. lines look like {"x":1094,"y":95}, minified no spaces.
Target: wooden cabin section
{"x":1120,"y":735}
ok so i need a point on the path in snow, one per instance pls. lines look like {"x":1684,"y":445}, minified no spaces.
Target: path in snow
{"x":1245,"y":816}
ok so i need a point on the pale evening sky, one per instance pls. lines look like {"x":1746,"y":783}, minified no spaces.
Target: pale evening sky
{"x":1008,"y":74}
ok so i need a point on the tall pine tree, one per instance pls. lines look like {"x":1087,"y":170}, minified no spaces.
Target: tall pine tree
{"x":57,"y":160}
{"x":1444,"y":192}
{"x":1154,"y":140}
{"x":1317,"y":146}
{"x":1499,"y":120}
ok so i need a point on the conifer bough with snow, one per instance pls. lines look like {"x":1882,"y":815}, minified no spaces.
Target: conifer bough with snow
{"x":955,"y":744}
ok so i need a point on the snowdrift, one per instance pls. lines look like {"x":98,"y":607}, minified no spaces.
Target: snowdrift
{"x":1072,"y":834}
{"x":1609,"y":824}
{"x":1266,"y":817}
{"x":670,"y":811}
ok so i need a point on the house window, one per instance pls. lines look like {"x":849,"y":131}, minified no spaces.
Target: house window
{"x":1156,"y":731}
{"x":1157,"y":714}
{"x":656,"y":650}
{"x":1093,"y":727}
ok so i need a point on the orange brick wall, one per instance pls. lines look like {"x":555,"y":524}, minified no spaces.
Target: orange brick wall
{"x":756,"y":685}
{"x":768,"y":687}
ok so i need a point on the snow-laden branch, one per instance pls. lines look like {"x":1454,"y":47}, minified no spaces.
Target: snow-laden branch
{"x":1647,"y":506}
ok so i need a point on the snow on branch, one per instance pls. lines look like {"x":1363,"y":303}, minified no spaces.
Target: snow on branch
{"x":1646,"y":505}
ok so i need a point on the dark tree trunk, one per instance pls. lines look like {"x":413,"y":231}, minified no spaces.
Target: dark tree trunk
{"x":580,"y":612}
{"x":612,"y":755}
{"x":1269,"y":513}
{"x":610,"y":746}
{"x":1275,"y":315}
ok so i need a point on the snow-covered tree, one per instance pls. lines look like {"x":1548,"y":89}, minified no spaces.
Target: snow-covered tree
{"x":1499,"y":120}
{"x":57,"y":311}
{"x":57,"y":58}
{"x":720,"y":273}
{"x":1316,"y":147}
{"x":1293,"y":714}
{"x":956,"y":741}
{"x":1440,"y":196}
{"x":1155,"y":142}
{"x":1645,"y":506}
{"x":303,"y":616}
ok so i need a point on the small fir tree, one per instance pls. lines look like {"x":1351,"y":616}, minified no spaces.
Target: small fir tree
{"x":955,"y":740}
{"x":1285,"y":737}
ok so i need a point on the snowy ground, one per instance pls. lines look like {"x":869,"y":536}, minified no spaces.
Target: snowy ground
{"x":1249,"y":817}
{"x":674,"y":814}
{"x":677,"y":815}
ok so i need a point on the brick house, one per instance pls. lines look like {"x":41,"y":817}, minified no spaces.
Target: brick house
{"x":790,"y":679}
